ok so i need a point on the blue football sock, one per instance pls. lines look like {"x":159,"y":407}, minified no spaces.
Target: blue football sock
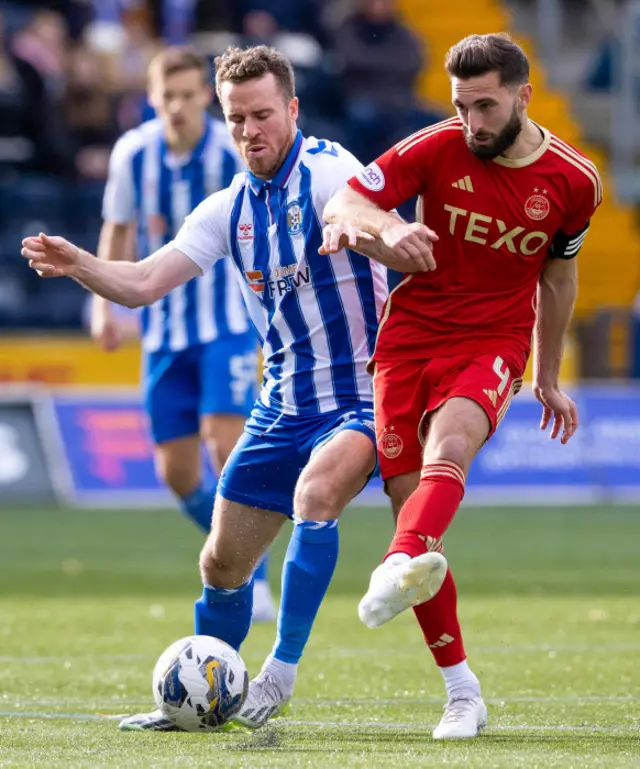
{"x":262,"y":570}
{"x":306,"y":573}
{"x":198,"y":506}
{"x":225,"y":614}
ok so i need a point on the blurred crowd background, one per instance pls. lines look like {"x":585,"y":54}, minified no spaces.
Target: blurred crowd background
{"x":72,"y":79}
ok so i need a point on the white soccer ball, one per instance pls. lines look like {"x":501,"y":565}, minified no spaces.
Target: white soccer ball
{"x":200,"y":683}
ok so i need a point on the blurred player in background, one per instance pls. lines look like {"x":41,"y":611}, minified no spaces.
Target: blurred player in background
{"x":308,"y":447}
{"x":508,"y":206}
{"x":199,"y":349}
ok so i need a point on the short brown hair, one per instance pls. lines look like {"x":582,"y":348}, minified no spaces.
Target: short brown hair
{"x":478,"y":54}
{"x":237,"y":65}
{"x":179,"y":58}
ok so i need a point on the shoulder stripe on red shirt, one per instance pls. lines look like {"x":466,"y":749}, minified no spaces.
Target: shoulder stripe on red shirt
{"x":427,"y":129}
{"x":578,"y":161}
{"x":426,"y":133}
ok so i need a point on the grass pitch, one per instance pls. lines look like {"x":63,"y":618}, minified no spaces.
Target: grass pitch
{"x":549,"y":602}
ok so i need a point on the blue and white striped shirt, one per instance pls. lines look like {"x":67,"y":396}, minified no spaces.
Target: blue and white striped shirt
{"x":317,"y":315}
{"x":157,"y":190}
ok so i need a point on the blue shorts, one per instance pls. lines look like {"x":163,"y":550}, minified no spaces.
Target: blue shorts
{"x":220,"y":377}
{"x":265,"y":465}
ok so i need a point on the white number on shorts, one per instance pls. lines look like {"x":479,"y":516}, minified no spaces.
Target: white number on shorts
{"x":504,"y":375}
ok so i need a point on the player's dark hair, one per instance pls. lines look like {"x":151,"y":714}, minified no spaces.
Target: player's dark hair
{"x":479,"y":54}
{"x":179,"y":58}
{"x":237,"y":65}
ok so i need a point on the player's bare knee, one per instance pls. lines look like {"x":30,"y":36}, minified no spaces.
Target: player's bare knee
{"x":317,"y":499}
{"x":220,"y":569}
{"x":457,"y":447}
{"x":180,"y":479}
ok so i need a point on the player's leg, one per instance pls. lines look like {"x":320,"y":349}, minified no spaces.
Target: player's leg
{"x":255,"y":496}
{"x":456,"y":433}
{"x":171,"y":395}
{"x":228,"y":381}
{"x":465,"y":711}
{"x":239,"y":537}
{"x":480,"y":391}
{"x":342,"y":459}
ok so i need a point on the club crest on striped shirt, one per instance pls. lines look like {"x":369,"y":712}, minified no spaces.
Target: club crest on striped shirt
{"x":537,"y":206}
{"x":294,"y":218}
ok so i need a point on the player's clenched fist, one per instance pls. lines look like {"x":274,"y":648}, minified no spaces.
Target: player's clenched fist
{"x":335,"y":237}
{"x":413,"y":243}
{"x":50,"y":257}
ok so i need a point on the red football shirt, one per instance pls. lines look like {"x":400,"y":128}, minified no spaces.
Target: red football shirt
{"x":498,"y":221}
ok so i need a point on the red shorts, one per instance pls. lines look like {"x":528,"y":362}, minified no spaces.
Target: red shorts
{"x":407,"y":391}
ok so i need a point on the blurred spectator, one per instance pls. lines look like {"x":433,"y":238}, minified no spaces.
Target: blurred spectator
{"x":89,"y":114}
{"x":77,"y":13}
{"x":290,"y":15}
{"x":30,"y":135}
{"x":214,"y":16}
{"x":380,"y":60}
{"x":42,"y":43}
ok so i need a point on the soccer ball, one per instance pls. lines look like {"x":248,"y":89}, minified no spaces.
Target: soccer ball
{"x":200,"y":683}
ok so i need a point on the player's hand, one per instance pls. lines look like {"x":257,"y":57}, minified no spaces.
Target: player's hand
{"x":105,"y":330}
{"x":335,"y":237}
{"x":50,"y":256}
{"x":412,"y":243}
{"x":557,"y":407}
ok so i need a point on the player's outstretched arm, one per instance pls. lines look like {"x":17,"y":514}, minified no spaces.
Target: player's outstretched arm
{"x":557,"y":291}
{"x":130,"y":284}
{"x":407,"y":247}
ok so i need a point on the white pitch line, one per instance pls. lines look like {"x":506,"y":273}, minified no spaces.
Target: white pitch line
{"x":350,"y":652}
{"x":356,"y":725}
{"x":323,"y":702}
{"x":36,"y":660}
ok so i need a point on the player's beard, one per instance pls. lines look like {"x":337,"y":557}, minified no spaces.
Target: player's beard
{"x":502,"y":141}
{"x":264,"y":168}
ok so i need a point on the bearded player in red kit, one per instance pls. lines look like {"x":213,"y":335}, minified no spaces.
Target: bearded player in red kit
{"x":507,"y":206}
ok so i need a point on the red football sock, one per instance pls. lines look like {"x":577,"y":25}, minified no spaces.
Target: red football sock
{"x":426,"y":515}
{"x":438,"y":619}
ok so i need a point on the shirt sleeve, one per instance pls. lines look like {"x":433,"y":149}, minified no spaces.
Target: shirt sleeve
{"x":335,"y":166}
{"x":118,"y":204}
{"x":400,"y":173}
{"x":204,"y":236}
{"x":568,"y":241}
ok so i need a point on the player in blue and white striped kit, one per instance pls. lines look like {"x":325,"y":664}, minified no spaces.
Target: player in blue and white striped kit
{"x":199,"y":349}
{"x":309,"y":445}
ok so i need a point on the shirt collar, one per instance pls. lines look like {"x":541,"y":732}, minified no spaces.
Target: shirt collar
{"x":281,"y":179}
{"x":197,"y":151}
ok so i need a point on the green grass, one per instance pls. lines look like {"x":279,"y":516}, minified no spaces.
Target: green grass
{"x":548,"y":599}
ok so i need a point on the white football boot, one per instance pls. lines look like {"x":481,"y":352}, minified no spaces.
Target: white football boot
{"x":465,"y":716}
{"x":265,"y":700}
{"x":155,"y":722}
{"x":398,"y":585}
{"x":264,"y":607}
